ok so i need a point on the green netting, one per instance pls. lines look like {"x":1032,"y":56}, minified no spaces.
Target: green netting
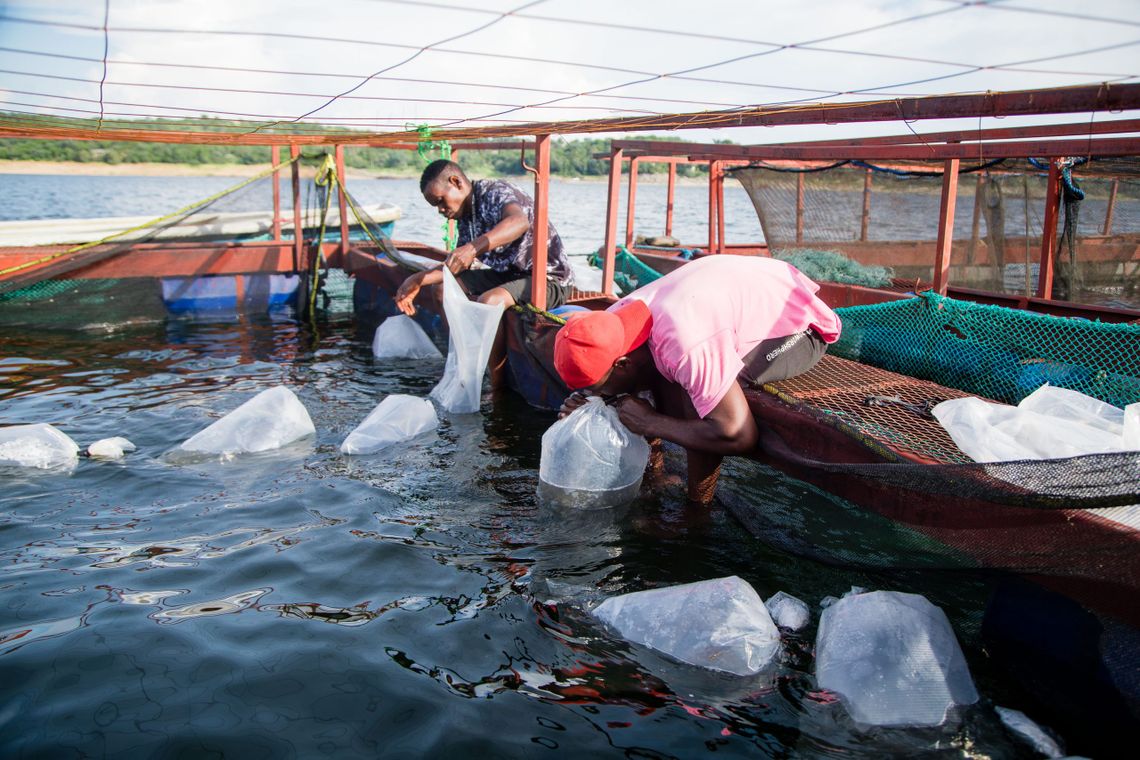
{"x":992,"y":351}
{"x":630,"y":273}
{"x":833,"y":266}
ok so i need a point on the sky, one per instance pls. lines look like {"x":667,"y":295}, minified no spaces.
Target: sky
{"x":387,"y":65}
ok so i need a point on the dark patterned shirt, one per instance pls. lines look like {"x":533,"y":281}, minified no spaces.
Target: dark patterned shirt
{"x":489,"y":197}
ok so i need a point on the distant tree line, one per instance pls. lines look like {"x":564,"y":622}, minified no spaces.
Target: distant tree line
{"x":568,"y":158}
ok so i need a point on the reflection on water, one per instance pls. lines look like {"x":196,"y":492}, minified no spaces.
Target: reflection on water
{"x":418,"y":602}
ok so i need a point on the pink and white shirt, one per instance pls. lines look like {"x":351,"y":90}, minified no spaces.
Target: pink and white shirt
{"x":711,"y":312}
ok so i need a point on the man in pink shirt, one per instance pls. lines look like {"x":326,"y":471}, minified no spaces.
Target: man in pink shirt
{"x":694,"y":338}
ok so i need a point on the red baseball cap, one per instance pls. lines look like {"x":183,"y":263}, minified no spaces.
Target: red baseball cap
{"x":587,"y":346}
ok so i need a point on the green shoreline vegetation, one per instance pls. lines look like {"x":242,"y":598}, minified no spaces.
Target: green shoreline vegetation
{"x":568,"y":158}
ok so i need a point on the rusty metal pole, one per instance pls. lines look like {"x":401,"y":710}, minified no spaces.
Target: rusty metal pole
{"x":1107,"y":228}
{"x":800,"y":208}
{"x":631,"y":202}
{"x":1049,"y":230}
{"x":865,"y":222}
{"x":946,"y":226}
{"x":609,"y":253}
{"x":712,"y":206}
{"x":298,"y":231}
{"x":342,"y":205}
{"x":720,"y":243}
{"x":541,"y":221}
{"x":275,"y":160}
{"x":669,"y":195}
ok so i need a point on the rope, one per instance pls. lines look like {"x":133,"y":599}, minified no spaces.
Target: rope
{"x":531,"y":308}
{"x":424,"y":145}
{"x":152,"y":223}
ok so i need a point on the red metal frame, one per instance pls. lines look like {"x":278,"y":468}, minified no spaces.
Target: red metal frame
{"x":609,"y":253}
{"x":1049,"y":231}
{"x":541,"y":220}
{"x":946,"y":226}
{"x":342,"y":205}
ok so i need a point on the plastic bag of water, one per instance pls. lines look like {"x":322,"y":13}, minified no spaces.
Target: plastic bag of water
{"x":893,"y":659}
{"x":40,"y":446}
{"x":471,"y":332}
{"x":787,"y":611}
{"x":399,"y":337}
{"x":271,"y":419}
{"x":591,"y":460}
{"x":720,"y":624}
{"x":397,"y":418}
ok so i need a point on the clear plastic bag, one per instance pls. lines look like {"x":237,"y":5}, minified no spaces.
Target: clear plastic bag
{"x":397,"y":418}
{"x":893,"y":659}
{"x":591,"y":460}
{"x":787,"y":611}
{"x":720,"y":624}
{"x":1050,"y":423}
{"x":399,"y":337}
{"x":471,"y":327}
{"x":271,"y":419}
{"x":39,"y":446}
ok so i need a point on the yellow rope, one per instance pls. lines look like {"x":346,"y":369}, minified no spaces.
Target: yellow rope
{"x":533,"y":309}
{"x":145,"y":225}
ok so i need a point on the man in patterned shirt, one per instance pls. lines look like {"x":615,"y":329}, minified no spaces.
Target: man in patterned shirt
{"x":495,"y":222}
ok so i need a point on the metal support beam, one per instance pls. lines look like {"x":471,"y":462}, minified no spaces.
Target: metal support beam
{"x":946,"y":226}
{"x":1049,"y":230}
{"x":298,"y":230}
{"x":609,"y":252}
{"x":720,"y":243}
{"x":340,"y":199}
{"x":631,"y":202}
{"x":712,"y":206}
{"x":541,"y":221}
{"x":275,"y":160}
{"x":670,"y":193}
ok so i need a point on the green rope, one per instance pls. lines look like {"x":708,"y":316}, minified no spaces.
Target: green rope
{"x":529,"y":307}
{"x":424,"y":147}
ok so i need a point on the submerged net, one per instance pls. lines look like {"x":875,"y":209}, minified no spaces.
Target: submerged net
{"x":992,"y":351}
{"x":887,"y":216}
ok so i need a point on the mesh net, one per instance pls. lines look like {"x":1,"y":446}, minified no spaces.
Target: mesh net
{"x":992,"y":351}
{"x":886,"y":216}
{"x":630,"y":273}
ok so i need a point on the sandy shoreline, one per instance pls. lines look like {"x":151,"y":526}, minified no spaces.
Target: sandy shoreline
{"x":96,"y":169}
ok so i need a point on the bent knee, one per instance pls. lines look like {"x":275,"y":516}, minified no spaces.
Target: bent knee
{"x":497,"y":297}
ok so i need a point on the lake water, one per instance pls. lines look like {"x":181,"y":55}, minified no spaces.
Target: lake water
{"x":417,"y":602}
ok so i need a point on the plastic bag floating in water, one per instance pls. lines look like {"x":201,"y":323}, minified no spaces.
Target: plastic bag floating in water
{"x":471,"y":327}
{"x":39,"y":446}
{"x":788,"y":611}
{"x":110,"y":448}
{"x":399,"y":337}
{"x":591,"y":460}
{"x":720,"y":624}
{"x":893,"y":659}
{"x":397,"y":418}
{"x":271,"y":419}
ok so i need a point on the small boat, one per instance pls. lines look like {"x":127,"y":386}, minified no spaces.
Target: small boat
{"x":202,"y":226}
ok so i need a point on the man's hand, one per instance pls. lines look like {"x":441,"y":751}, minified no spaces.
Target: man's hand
{"x":572,"y":402}
{"x":636,"y":413}
{"x":460,"y":259}
{"x":407,"y":292}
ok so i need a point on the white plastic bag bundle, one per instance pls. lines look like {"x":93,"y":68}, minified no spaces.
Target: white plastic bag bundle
{"x":397,"y":418}
{"x":399,"y":337}
{"x":720,"y":624}
{"x":893,"y":659}
{"x":471,"y":327}
{"x":590,"y":460}
{"x":271,"y":419}
{"x":40,"y":446}
{"x":110,"y":448}
{"x":1050,"y":423}
{"x":787,"y":611}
